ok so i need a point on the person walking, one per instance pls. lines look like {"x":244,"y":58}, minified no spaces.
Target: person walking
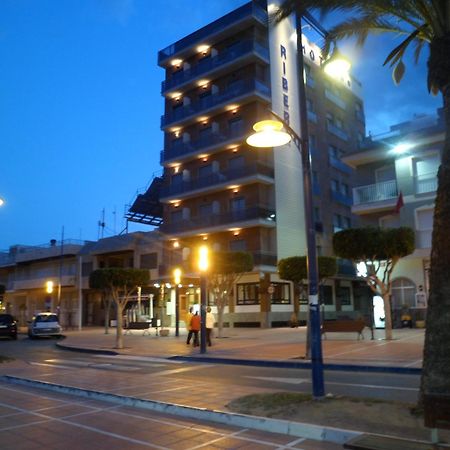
{"x":187,"y":321}
{"x":210,"y":321}
{"x":195,"y":327}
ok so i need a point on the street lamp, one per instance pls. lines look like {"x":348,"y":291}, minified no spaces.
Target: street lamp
{"x":269,"y":133}
{"x":203,"y":265}
{"x":2,"y":202}
{"x":177,"y":280}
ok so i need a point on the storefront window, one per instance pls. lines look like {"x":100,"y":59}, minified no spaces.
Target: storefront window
{"x":281,"y":294}
{"x":247,"y":294}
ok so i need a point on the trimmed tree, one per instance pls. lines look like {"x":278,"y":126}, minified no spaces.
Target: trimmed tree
{"x":119,"y":284}
{"x":294,"y":268}
{"x":98,"y":280}
{"x":379,"y":250}
{"x":226,"y":268}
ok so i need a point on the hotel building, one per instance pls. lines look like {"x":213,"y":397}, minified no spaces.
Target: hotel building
{"x":215,"y":189}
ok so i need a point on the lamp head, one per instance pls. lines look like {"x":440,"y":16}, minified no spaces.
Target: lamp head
{"x":337,"y":65}
{"x":268,"y":133}
{"x":49,"y":287}
{"x":203,"y":260}
{"x":177,"y":275}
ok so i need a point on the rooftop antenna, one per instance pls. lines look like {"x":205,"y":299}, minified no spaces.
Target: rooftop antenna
{"x":101,"y":226}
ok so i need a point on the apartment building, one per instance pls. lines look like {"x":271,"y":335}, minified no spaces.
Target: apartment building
{"x":395,"y":185}
{"x":26,"y":272}
{"x":215,"y":189}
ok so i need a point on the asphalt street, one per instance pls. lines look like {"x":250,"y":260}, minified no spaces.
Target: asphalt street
{"x":44,"y":353}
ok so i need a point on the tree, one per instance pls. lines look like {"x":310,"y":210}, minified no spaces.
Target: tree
{"x":295,"y":269}
{"x":225,"y":270}
{"x":120,"y":284}
{"x":424,"y":23}
{"x":379,"y":249}
{"x":98,"y":280}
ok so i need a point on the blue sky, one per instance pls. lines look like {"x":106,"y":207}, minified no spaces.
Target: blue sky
{"x":80,"y":106}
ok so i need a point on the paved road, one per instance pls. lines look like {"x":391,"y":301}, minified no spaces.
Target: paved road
{"x":43,"y":353}
{"x":32,"y":419}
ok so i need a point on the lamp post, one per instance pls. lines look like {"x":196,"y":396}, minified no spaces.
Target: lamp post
{"x":177,"y":279}
{"x":203,"y":264}
{"x":269,"y":133}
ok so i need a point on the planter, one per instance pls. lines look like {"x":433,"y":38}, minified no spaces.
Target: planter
{"x":164,"y":333}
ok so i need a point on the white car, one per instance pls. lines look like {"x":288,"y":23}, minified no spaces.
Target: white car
{"x":44,"y":324}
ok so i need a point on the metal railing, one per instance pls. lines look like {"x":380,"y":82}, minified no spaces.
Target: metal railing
{"x":218,"y":178}
{"x":223,"y":58}
{"x":218,"y":138}
{"x":335,"y":99}
{"x":238,"y":89}
{"x":338,"y":164}
{"x":375,"y":192}
{"x":211,"y":220}
{"x":337,"y":131}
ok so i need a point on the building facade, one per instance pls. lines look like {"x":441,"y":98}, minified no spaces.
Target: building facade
{"x":215,"y":189}
{"x":395,"y":185}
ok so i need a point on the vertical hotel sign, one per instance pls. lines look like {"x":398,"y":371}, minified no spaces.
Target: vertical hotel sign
{"x":291,"y":235}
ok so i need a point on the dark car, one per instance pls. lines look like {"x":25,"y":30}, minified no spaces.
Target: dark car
{"x":8,"y":326}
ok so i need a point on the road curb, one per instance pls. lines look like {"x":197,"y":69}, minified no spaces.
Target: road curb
{"x":297,"y":429}
{"x":262,"y":362}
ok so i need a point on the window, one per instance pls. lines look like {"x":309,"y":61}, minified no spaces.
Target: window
{"x":309,"y":105}
{"x":317,"y":214}
{"x":425,"y":171}
{"x":149,"y":261}
{"x":204,"y":134}
{"x":177,"y":179}
{"x":333,"y":151}
{"x":337,"y":223}
{"x":176,"y":216}
{"x":236,"y":163}
{"x":326,"y":295}
{"x":238,"y":245}
{"x":205,"y":209}
{"x":345,"y":189}
{"x":346,"y":222}
{"x":312,"y":142}
{"x":236,"y":125}
{"x":247,"y":294}
{"x":343,"y":295}
{"x":335,"y":185}
{"x":403,"y":293}
{"x":424,"y":220}
{"x":237,"y":204}
{"x":281,"y":294}
{"x":177,"y":142}
{"x":205,"y":171}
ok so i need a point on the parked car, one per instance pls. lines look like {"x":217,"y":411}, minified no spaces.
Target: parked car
{"x":8,"y":326}
{"x":44,"y":324}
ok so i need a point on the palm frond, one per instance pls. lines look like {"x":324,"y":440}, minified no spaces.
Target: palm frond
{"x":419,"y":46}
{"x":398,"y":51}
{"x":398,"y":72}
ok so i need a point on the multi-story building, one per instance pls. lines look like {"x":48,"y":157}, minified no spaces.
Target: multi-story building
{"x":26,"y":272}
{"x":403,"y":161}
{"x":219,"y":81}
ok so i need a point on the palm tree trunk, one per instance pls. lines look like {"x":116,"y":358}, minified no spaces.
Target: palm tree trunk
{"x":436,"y":361}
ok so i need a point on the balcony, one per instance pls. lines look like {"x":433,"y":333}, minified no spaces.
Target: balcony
{"x":246,"y":13}
{"x":211,"y":182}
{"x":339,"y":132}
{"x":257,"y":215}
{"x":426,"y":183}
{"x":335,"y":99}
{"x":212,"y":65}
{"x":208,"y":104}
{"x":339,"y":165}
{"x":185,"y":149}
{"x":339,"y":197}
{"x":375,"y":197}
{"x":38,"y":281}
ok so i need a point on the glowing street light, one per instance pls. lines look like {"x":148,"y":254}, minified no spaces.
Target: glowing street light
{"x":177,"y":280}
{"x":49,"y":287}
{"x":2,"y":202}
{"x":203,"y":266}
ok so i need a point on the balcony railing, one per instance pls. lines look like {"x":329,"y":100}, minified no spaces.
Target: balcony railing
{"x":339,"y":132}
{"x":375,"y":192}
{"x":238,"y":89}
{"x":335,"y":99}
{"x":264,"y":259}
{"x":217,"y":178}
{"x":238,"y":15}
{"x":223,"y":58}
{"x":212,"y":220}
{"x":338,"y":164}
{"x":312,"y":116}
{"x":186,"y":148}
{"x":426,"y":183}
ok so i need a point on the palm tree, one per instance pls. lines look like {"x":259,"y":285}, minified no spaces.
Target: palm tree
{"x":421,"y":23}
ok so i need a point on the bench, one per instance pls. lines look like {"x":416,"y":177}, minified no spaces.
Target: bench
{"x":343,"y":326}
{"x":436,"y":410}
{"x":145,"y":326}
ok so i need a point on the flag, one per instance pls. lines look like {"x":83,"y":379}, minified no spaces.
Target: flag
{"x":399,"y":204}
